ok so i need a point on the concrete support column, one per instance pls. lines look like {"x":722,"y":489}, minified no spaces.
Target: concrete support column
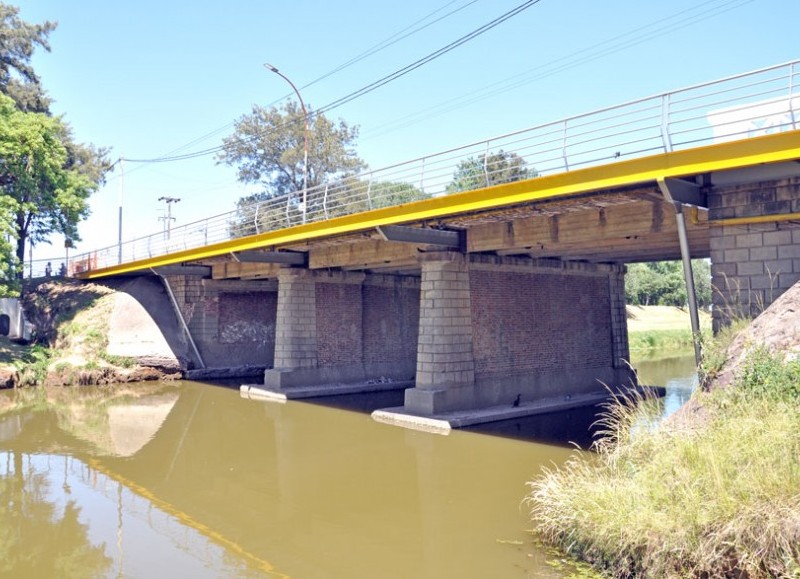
{"x":296,"y":324}
{"x":445,"y":378}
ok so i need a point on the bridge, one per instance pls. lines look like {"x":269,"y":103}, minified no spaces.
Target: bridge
{"x":507,"y":298}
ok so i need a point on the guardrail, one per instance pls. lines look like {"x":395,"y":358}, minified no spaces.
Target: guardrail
{"x":737,"y":107}
{"x":50,"y":267}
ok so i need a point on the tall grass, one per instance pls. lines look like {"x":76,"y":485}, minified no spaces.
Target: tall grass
{"x":719,"y":499}
{"x":652,"y":340}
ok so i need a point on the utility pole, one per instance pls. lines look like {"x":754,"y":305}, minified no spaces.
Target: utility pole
{"x":121,"y":195}
{"x":168,"y":219}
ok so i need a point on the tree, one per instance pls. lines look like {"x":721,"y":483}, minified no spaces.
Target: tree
{"x":354,"y":195}
{"x":18,"y":40}
{"x":267,"y":146}
{"x":489,"y":169}
{"x":8,"y":264}
{"x":256,"y":214}
{"x":45,"y":178}
{"x":661,"y":283}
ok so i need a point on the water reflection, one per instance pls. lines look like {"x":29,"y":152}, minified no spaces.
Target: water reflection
{"x":676,"y":372}
{"x":233,"y":487}
{"x":188,"y":479}
{"x":42,"y":533}
{"x":574,"y":428}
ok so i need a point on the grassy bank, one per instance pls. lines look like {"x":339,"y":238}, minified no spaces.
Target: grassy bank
{"x":70,"y":343}
{"x":714,"y":494}
{"x":653,"y":328}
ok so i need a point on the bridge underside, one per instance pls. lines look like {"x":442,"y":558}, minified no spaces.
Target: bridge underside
{"x":506,"y":300}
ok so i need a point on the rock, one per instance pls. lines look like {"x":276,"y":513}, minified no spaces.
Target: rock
{"x":9,"y":377}
{"x":777,"y":329}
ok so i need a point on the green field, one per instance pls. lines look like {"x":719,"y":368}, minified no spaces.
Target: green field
{"x":662,"y":328}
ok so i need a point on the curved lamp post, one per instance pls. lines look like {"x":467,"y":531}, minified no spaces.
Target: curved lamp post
{"x":305,"y":134}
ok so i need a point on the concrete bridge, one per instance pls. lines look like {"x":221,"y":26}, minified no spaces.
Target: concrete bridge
{"x":503,"y":300}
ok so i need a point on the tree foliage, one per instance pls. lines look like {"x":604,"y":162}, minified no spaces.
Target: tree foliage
{"x":489,"y":169}
{"x":267,"y":147}
{"x":661,"y":283}
{"x":257,"y":214}
{"x":46,"y":176}
{"x":18,"y":40}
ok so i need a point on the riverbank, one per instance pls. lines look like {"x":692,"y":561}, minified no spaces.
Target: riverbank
{"x":711,"y":492}
{"x":71,"y":342}
{"x":653,"y":328}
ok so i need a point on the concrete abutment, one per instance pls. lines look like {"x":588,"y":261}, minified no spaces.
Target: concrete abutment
{"x":755,"y":254}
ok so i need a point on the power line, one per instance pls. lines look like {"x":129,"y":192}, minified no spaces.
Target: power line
{"x":429,"y":58}
{"x":410,"y":30}
{"x":613,"y":45}
{"x":370,"y":87}
{"x":393,"y":39}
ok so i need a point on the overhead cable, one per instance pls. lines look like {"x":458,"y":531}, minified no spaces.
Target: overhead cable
{"x":370,"y":87}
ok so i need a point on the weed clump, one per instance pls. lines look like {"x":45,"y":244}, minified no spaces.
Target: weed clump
{"x":721,"y":499}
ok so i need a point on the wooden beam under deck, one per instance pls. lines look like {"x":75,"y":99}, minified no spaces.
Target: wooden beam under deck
{"x":639,"y":228}
{"x":239,"y":270}
{"x":367,"y":254}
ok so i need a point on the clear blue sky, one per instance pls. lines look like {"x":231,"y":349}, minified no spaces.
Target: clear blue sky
{"x":150,"y":77}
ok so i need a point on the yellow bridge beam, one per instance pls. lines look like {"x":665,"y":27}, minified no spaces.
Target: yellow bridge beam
{"x":718,"y":157}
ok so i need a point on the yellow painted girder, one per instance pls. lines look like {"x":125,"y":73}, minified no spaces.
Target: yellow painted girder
{"x":718,"y":157}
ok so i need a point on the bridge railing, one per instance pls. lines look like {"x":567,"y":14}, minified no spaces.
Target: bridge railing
{"x":737,"y":107}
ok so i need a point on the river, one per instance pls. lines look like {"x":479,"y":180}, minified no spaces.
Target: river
{"x":188,"y":479}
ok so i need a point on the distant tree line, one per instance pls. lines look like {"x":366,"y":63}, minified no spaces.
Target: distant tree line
{"x":661,"y":283}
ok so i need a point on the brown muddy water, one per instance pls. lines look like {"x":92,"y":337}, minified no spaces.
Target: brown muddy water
{"x":190,"y":480}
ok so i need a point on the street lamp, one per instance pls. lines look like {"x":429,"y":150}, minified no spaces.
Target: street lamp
{"x":305,"y":134}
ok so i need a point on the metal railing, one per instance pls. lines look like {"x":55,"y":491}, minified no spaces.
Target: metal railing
{"x":50,"y":267}
{"x":737,"y":107}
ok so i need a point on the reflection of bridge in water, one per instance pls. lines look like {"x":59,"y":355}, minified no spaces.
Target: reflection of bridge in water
{"x":256,"y":487}
{"x":502,"y":300}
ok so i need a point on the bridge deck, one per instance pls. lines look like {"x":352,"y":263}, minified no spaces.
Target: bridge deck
{"x":589,"y":198}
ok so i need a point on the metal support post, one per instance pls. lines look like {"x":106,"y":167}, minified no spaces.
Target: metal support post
{"x":180,"y":317}
{"x":689,"y":279}
{"x":683,"y":239}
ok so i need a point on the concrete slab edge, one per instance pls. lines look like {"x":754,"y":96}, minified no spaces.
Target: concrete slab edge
{"x":256,"y":392}
{"x":397,"y":417}
{"x":300,"y":392}
{"x":443,"y":423}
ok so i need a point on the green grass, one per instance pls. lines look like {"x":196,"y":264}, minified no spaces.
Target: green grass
{"x":660,"y":340}
{"x":654,"y":328}
{"x":11,"y":351}
{"x":720,"y":499}
{"x":33,"y":365}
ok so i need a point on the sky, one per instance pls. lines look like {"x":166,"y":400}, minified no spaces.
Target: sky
{"x":152,"y":78}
